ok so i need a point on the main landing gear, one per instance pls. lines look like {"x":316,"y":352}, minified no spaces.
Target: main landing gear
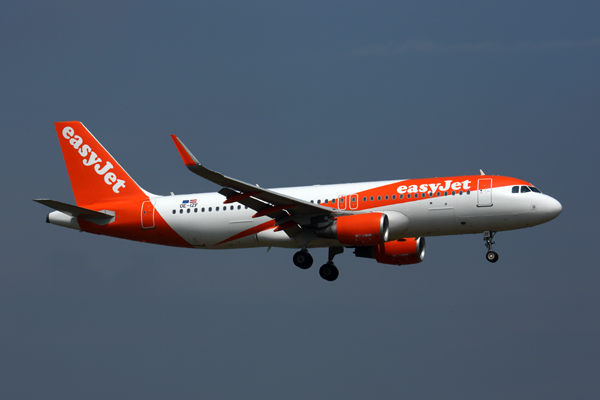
{"x":491,"y":256}
{"x":328,"y":271}
{"x":303,"y":259}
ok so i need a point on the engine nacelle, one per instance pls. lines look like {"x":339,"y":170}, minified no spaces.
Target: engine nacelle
{"x":358,"y":230}
{"x":399,"y":252}
{"x":397,"y":223}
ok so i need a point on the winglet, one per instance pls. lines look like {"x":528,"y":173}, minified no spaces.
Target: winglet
{"x":186,"y":155}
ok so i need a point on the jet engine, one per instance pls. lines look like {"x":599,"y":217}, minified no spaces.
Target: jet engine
{"x":358,"y":230}
{"x":366,"y":229}
{"x":398,"y":252}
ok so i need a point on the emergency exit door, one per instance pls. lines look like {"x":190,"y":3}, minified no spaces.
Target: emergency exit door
{"x":147,"y":215}
{"x":484,"y":192}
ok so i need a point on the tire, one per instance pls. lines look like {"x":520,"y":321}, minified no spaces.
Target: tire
{"x":329,"y":272}
{"x":491,"y":256}
{"x":303,"y":260}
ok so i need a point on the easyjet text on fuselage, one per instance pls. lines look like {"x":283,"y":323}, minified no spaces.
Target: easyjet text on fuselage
{"x":449,"y":184}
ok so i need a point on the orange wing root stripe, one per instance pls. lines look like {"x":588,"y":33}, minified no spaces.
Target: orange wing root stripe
{"x":285,"y":226}
{"x":251,"y":231}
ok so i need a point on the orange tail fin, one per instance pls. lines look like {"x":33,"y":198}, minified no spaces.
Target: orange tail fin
{"x":95,"y":175}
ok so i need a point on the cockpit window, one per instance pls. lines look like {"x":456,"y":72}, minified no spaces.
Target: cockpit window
{"x":525,"y":189}
{"x":534,"y":189}
{"x":515,"y":189}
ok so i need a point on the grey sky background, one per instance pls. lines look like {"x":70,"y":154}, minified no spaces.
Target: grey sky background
{"x":286,"y":94}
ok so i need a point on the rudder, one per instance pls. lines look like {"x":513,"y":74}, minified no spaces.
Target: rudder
{"x":95,"y":175}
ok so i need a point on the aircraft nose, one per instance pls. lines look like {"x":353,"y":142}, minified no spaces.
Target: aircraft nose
{"x":553,"y":208}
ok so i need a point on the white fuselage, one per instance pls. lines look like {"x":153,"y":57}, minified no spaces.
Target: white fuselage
{"x":208,"y":223}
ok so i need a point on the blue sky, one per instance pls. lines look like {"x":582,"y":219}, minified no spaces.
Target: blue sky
{"x":285,"y":94}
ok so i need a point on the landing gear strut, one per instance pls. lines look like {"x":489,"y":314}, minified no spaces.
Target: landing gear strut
{"x":491,"y":256}
{"x":329,"y":271}
{"x":303,"y":259}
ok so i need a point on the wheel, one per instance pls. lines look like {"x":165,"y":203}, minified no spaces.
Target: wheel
{"x":329,"y":272}
{"x":303,"y":259}
{"x":492,"y":256}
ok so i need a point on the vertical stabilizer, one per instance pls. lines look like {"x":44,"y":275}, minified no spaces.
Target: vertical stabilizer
{"x":95,"y":175}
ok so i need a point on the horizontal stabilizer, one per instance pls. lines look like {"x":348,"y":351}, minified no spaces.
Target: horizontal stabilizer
{"x":97,"y":217}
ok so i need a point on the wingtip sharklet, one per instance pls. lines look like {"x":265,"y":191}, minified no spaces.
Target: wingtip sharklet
{"x":186,"y":155}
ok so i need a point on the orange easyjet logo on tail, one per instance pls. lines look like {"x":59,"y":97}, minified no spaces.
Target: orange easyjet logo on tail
{"x":110,"y":178}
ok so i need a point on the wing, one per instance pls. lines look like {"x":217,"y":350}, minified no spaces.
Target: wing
{"x":288,"y":212}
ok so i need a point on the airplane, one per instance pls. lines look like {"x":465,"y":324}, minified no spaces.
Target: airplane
{"x":385,"y":220}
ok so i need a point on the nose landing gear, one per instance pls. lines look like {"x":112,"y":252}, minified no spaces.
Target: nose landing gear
{"x":488,"y":237}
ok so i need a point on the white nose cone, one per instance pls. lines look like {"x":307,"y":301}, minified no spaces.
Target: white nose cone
{"x":553,"y":208}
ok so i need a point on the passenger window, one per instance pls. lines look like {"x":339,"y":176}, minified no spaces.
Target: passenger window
{"x":525,"y":189}
{"x":174,"y":211}
{"x":181,"y":211}
{"x":423,"y":195}
{"x":408,"y":196}
{"x":378,"y":197}
{"x":203,"y":209}
{"x":365,"y":198}
{"x":515,"y":189}
{"x":239,"y":207}
{"x":372,"y":198}
{"x":387,"y":197}
{"x":195,"y":210}
{"x":438,"y":194}
{"x":394,"y":197}
{"x":209,"y":209}
{"x":401,"y":196}
{"x":189,"y":210}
